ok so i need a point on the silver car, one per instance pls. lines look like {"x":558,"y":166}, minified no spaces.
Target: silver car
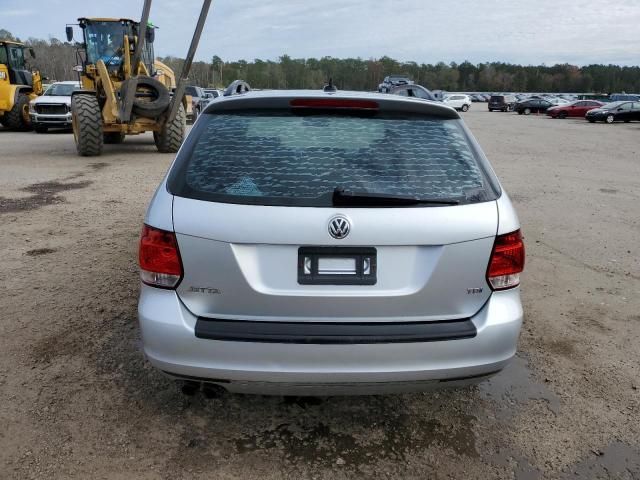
{"x":318,"y":243}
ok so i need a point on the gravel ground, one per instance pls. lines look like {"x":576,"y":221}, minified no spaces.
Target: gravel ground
{"x":78,"y":400}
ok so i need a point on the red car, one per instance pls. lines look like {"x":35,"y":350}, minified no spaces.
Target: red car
{"x":574,"y":109}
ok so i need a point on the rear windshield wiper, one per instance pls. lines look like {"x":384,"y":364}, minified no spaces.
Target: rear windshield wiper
{"x":346,"y":198}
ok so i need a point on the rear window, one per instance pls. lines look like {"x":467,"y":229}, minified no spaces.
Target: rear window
{"x":277,"y":158}
{"x":497,"y":98}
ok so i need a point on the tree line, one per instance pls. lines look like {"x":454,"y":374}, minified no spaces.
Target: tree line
{"x":56,"y":59}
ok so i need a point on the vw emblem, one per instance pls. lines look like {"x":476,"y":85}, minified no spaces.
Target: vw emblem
{"x":339,"y":227}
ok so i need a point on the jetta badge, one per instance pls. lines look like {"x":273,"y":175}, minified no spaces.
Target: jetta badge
{"x":339,"y":227}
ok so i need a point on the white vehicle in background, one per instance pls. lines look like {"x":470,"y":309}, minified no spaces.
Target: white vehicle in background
{"x":53,"y":108}
{"x":557,"y":101}
{"x":458,"y":101}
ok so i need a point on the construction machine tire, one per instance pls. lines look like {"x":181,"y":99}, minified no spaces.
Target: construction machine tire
{"x":18,"y":117}
{"x":87,"y":125}
{"x":143,"y":106}
{"x":113,"y":138}
{"x":169,"y":138}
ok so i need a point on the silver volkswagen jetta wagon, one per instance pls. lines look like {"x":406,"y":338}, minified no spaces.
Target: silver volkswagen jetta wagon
{"x":325,"y":243}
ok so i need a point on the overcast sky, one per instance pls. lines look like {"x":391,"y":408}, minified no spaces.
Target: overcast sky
{"x":518,"y":31}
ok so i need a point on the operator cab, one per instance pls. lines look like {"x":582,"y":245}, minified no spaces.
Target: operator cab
{"x":104,"y":39}
{"x":12,"y":55}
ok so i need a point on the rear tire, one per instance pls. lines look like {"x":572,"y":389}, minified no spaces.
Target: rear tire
{"x":18,"y":117}
{"x":465,"y":108}
{"x":170,"y":137}
{"x":87,"y":125}
{"x":562,"y":115}
{"x":527,"y":111}
{"x":113,"y":138}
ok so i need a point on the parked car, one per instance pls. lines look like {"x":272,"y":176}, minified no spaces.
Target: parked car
{"x":556,"y":101}
{"x":623,"y":97}
{"x":199,"y":101}
{"x":615,"y":112}
{"x":413,"y":90}
{"x":573,"y":109}
{"x":213,"y":93}
{"x":458,"y":101}
{"x":393,"y":81}
{"x":534,"y":105}
{"x":314,"y":243}
{"x":504,"y":103}
{"x":53,"y":108}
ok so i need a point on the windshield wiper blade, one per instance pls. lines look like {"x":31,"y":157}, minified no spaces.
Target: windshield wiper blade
{"x":346,"y":198}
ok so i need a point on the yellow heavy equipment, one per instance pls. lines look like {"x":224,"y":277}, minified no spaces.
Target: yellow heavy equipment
{"x":18,"y":85}
{"x":125,"y":91}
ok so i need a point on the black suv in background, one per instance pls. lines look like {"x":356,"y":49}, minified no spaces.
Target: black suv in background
{"x":504,"y":103}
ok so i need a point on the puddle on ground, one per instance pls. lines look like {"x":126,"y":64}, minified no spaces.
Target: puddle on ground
{"x":515,"y":386}
{"x":617,"y":460}
{"x":36,"y":252}
{"x":41,"y":194}
{"x":397,"y":439}
{"x":99,"y":165}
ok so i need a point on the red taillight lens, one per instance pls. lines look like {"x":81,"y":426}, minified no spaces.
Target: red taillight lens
{"x":507,"y":261}
{"x":160,"y":264}
{"x":334,"y":103}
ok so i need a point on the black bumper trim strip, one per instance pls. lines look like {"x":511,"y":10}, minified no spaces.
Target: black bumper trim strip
{"x":333,"y":333}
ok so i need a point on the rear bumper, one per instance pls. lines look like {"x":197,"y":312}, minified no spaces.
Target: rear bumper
{"x":170,"y":344}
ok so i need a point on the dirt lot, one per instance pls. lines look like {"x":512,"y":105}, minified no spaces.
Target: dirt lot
{"x":77,"y":399}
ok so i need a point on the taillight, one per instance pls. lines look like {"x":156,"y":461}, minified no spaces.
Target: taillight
{"x":507,"y":261}
{"x":160,"y":264}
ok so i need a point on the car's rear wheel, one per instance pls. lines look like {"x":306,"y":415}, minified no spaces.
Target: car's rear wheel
{"x":562,"y":115}
{"x":465,"y":108}
{"x":527,"y":111}
{"x":610,"y":119}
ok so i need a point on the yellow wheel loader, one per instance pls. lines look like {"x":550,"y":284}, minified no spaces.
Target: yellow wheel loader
{"x":18,"y":85}
{"x":125,"y":91}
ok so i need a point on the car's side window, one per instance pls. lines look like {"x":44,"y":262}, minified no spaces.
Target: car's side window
{"x":403,"y":92}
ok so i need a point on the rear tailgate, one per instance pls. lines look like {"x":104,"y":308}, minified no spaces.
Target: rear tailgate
{"x":241,"y":261}
{"x":250,"y":202}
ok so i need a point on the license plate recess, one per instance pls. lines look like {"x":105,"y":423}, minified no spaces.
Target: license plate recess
{"x":337,"y":266}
